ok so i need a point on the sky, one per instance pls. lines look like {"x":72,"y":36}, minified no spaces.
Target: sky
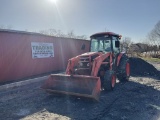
{"x":130,"y":18}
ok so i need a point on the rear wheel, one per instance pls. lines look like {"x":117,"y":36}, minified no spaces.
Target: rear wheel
{"x":123,"y":69}
{"x":109,"y":80}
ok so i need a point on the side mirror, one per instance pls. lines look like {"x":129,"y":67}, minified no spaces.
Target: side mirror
{"x":83,"y":46}
{"x":117,"y":44}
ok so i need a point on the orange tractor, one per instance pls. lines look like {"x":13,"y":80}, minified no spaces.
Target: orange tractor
{"x":89,"y":73}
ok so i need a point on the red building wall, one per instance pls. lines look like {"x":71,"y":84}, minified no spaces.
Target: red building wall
{"x":16,"y":60}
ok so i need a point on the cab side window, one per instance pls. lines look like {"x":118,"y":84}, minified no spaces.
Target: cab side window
{"x":116,"y":50}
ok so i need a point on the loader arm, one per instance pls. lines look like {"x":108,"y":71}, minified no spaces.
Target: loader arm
{"x":71,"y":64}
{"x":99,"y":61}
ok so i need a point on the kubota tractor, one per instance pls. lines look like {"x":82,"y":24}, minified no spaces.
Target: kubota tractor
{"x":87,"y":74}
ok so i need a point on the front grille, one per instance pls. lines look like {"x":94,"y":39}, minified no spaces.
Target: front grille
{"x":84,"y":62}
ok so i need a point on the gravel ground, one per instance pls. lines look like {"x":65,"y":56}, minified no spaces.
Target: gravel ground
{"x":138,"y":99}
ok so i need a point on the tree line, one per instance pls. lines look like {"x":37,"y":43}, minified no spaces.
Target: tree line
{"x":51,"y":32}
{"x":150,"y":46}
{"x":59,"y":33}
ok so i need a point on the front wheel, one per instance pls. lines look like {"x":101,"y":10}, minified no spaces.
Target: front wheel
{"x":109,"y":80}
{"x":124,"y":69}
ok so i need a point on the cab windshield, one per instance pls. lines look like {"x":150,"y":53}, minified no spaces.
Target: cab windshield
{"x":101,"y":44}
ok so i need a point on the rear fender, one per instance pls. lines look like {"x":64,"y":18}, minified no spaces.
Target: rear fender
{"x":99,"y":61}
{"x":119,"y":58}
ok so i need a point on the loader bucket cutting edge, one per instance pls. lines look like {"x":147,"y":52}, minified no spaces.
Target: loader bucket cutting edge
{"x":77,"y":85}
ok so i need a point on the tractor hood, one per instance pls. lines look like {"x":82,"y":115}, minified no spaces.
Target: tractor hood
{"x":91,"y":54}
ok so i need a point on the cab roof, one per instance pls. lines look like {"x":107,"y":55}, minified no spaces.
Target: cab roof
{"x":105,"y":33}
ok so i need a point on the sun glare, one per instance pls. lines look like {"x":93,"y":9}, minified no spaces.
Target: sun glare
{"x":54,"y":1}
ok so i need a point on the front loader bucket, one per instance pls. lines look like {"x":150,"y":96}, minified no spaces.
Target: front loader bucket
{"x":77,"y":85}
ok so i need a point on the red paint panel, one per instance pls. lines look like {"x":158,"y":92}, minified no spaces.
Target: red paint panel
{"x":16,"y":60}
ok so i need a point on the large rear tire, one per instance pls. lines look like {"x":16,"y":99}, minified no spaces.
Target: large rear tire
{"x":123,"y":69}
{"x":109,"y":80}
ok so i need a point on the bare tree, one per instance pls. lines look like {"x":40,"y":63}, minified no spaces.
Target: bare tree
{"x":125,"y":44}
{"x":82,"y":37}
{"x":52,"y":32}
{"x":59,"y":33}
{"x":154,"y":39}
{"x":43,"y":32}
{"x":8,"y":27}
{"x":2,"y":27}
{"x":157,"y":29}
{"x":71,"y":34}
{"x":154,"y":35}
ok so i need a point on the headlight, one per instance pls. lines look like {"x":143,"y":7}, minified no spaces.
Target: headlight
{"x":80,"y":64}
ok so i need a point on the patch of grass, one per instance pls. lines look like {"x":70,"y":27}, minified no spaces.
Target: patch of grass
{"x":152,"y":59}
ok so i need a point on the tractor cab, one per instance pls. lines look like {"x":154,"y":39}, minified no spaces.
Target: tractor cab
{"x":105,"y":42}
{"x":89,"y":73}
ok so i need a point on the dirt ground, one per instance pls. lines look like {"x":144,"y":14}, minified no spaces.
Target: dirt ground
{"x":138,"y":99}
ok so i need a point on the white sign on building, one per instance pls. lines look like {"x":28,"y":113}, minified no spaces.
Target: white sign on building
{"x":42,"y":50}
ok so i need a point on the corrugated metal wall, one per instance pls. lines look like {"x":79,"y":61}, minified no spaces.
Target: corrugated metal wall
{"x":16,"y":60}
